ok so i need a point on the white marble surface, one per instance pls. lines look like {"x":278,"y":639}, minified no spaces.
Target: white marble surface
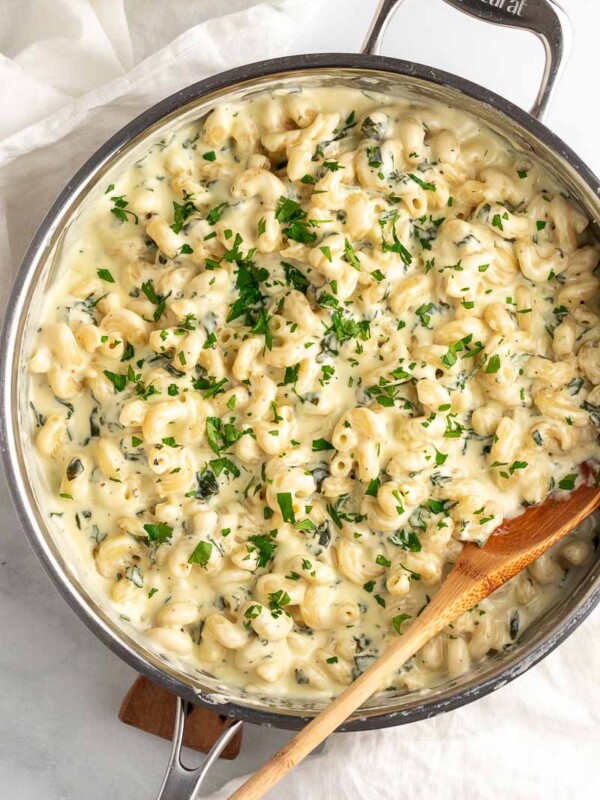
{"x":60,"y":688}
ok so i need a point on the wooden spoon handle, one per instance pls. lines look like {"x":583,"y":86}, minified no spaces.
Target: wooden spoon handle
{"x":444,"y":608}
{"x":476,"y":574}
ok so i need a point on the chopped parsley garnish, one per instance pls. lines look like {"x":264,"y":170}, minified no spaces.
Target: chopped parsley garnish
{"x":333,"y":513}
{"x":214,"y":215}
{"x":428,"y":187}
{"x":374,"y":157}
{"x":517,"y":465}
{"x":327,"y":373}
{"x":398,"y":620}
{"x":568,"y":482}
{"x":201,"y":554}
{"x":265,"y":545}
{"x":440,"y":458}
{"x":423,"y":313}
{"x":221,"y":435}
{"x":225,"y":465}
{"x":327,"y":253}
{"x":291,"y":375}
{"x":437,"y":506}
{"x":118,"y":381}
{"x":454,"y":429}
{"x":305,"y":525}
{"x":493,"y":365}
{"x":105,"y":275}
{"x":396,"y":246}
{"x":373,"y":487}
{"x":250,"y":298}
{"x":347,"y":328}
{"x":350,"y":256}
{"x":321,"y":444}
{"x":159,"y":301}
{"x":253,"y":611}
{"x":348,"y":125}
{"x":210,"y":387}
{"x":497,"y":222}
{"x":277,"y":602}
{"x":289,"y":210}
{"x":291,"y":213}
{"x":451,"y":357}
{"x":286,"y":506}
{"x":159,"y":532}
{"x":386,"y":391}
{"x":181,"y":212}
{"x":295,"y":278}
{"x":338,"y":515}
{"x":407,"y":540}
{"x":120,"y":210}
{"x":262,"y":326}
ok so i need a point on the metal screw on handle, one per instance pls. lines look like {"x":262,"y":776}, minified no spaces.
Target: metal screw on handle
{"x":545,"y":18}
{"x":181,"y":782}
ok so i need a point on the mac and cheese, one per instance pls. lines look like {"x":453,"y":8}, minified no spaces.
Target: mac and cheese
{"x":298,"y":354}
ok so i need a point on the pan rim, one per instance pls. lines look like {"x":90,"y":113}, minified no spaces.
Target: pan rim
{"x":20,"y":294}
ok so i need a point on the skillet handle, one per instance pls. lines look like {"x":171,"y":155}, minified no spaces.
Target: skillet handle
{"x":181,"y":782}
{"x":545,"y":18}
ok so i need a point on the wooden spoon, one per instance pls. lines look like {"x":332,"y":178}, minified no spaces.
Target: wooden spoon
{"x":476,"y":574}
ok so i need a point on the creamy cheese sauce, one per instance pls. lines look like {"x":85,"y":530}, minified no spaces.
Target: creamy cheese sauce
{"x":293,"y":358}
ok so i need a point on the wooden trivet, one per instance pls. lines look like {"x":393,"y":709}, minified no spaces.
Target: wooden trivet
{"x":152,"y":709}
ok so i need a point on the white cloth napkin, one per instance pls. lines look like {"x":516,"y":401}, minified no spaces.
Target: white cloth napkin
{"x":71,"y":73}
{"x":70,"y":76}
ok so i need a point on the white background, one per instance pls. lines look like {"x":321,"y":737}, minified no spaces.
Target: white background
{"x":60,"y":688}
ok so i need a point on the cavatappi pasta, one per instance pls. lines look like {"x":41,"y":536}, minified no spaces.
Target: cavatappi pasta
{"x":295,"y":356}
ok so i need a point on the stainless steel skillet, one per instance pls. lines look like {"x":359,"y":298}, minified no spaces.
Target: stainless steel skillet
{"x":365,"y":70}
